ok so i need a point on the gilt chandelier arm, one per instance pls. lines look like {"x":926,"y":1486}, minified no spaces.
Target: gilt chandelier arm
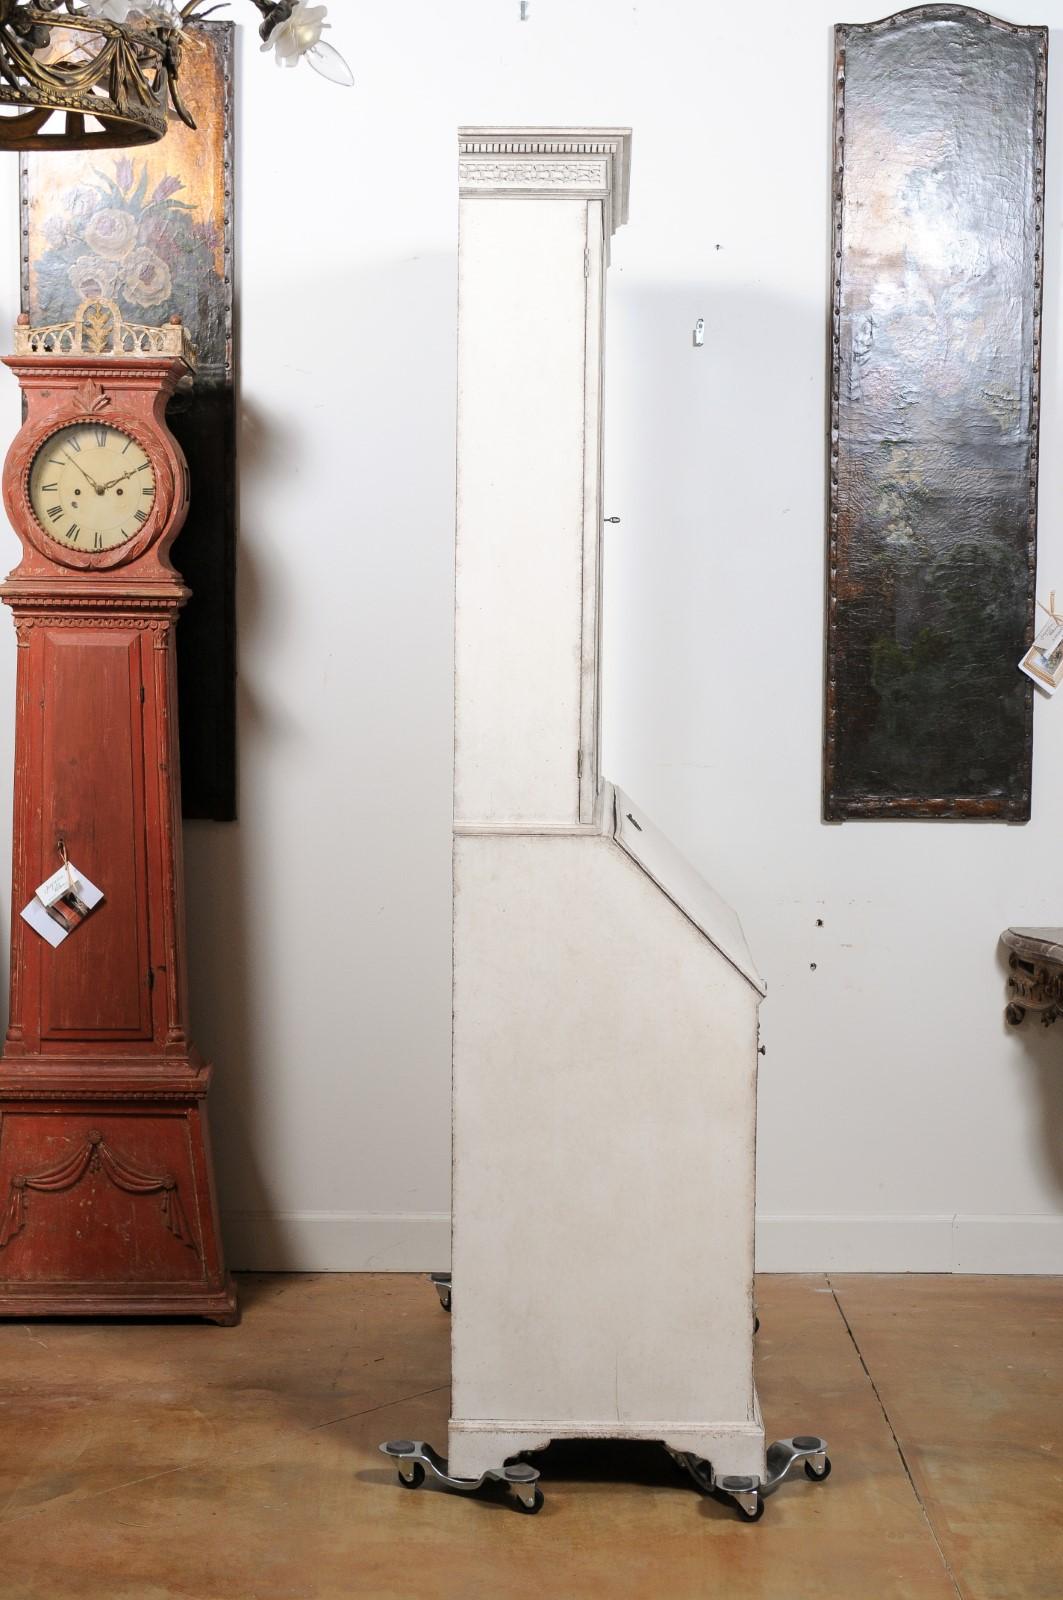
{"x":98,"y":74}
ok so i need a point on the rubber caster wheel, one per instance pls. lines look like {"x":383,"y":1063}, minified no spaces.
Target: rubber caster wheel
{"x":755,"y":1516}
{"x":415,"y":1479}
{"x":530,"y":1510}
{"x":444,"y":1301}
{"x":818,"y":1477}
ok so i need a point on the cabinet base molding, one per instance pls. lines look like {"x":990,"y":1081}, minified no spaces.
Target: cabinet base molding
{"x":732,"y":1447}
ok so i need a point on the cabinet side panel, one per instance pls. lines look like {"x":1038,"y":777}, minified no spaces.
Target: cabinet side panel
{"x":521,"y":466}
{"x":604,"y":1109}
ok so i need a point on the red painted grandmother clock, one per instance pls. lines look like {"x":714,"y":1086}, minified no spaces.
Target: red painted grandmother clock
{"x":107,"y":1202}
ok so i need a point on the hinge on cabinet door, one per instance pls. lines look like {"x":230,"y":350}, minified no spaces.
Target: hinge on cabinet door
{"x":586,"y":263}
{"x":151,"y":978}
{"x":143,"y":695}
{"x":579,"y":768}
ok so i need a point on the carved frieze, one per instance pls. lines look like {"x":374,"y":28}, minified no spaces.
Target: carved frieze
{"x":545,"y":161}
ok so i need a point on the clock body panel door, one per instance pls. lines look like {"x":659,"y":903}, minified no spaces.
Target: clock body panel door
{"x":107,"y":1199}
{"x":95,"y":677}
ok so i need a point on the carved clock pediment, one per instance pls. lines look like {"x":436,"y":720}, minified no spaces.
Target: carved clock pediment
{"x":89,"y":396}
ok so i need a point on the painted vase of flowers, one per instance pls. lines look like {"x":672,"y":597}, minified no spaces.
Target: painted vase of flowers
{"x":121,"y":238}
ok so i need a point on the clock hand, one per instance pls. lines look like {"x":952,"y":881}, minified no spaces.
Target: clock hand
{"x":122,"y":478}
{"x":84,"y":474}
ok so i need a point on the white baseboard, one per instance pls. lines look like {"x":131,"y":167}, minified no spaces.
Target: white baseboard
{"x":1014,"y":1244}
{"x":336,"y":1241}
{"x":357,"y":1241}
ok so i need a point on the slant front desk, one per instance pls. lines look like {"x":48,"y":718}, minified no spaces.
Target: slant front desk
{"x":605,"y":1000}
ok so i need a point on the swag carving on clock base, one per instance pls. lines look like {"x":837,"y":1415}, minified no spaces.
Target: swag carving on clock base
{"x":106,"y":1203}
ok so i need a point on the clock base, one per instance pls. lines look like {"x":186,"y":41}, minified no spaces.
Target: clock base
{"x":107,"y":1204}
{"x":145,"y":1300}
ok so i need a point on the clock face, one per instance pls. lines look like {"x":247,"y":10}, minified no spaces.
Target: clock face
{"x":91,"y":487}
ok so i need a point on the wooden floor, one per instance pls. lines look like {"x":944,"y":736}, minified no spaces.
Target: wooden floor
{"x":144,"y":1462}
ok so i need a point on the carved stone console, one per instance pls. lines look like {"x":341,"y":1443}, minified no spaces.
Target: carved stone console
{"x":1036,"y":981}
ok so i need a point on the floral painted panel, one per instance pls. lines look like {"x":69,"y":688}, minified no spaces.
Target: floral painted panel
{"x":152,"y":229}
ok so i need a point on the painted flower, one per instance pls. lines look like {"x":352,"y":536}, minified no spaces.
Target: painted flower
{"x":111,"y":233}
{"x":82,"y":201}
{"x":123,"y":174}
{"x":165,"y":188}
{"x":146,"y":279}
{"x":209,"y":234}
{"x":300,"y":33}
{"x":93,"y":278}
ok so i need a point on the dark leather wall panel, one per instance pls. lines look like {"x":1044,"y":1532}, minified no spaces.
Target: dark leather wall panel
{"x":935,"y":344}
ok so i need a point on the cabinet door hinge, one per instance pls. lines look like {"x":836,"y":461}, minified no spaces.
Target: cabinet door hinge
{"x":143,"y":695}
{"x":586,"y":263}
{"x":151,"y":978}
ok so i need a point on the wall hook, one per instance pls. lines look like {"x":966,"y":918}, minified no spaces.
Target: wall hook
{"x":699,"y":333}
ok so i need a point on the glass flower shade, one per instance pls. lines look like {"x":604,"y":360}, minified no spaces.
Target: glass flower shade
{"x":326,"y":59}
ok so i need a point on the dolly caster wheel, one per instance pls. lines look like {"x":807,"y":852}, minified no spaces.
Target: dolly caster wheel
{"x":745,"y":1492}
{"x":442,"y":1284}
{"x":414,"y":1459}
{"x":818,"y":1477}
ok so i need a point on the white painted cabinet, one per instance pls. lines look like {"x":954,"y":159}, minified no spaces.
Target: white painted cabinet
{"x":605,"y":1000}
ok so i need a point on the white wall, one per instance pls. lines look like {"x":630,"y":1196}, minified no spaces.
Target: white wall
{"x":901,"y":1126}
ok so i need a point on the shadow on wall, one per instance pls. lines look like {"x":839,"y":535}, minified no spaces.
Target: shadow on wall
{"x":222,"y":921}
{"x":714,"y":626}
{"x":368,"y":465}
{"x":716,"y":464}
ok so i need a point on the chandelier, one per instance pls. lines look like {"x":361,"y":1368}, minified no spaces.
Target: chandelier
{"x":94,"y":74}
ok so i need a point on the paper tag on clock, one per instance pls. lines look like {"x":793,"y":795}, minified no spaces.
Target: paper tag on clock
{"x":1043,"y":662}
{"x":61,"y":904}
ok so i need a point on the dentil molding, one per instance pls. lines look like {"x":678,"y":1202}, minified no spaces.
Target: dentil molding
{"x":591,"y":163}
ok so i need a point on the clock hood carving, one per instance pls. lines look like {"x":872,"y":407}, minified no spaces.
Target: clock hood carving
{"x":91,"y":397}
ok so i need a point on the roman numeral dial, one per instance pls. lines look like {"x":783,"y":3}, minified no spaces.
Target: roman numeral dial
{"x":91,"y":487}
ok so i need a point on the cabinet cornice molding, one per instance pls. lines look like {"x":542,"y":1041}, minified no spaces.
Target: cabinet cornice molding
{"x":591,"y":163}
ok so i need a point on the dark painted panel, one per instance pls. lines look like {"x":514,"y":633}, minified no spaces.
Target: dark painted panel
{"x":939,"y":141}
